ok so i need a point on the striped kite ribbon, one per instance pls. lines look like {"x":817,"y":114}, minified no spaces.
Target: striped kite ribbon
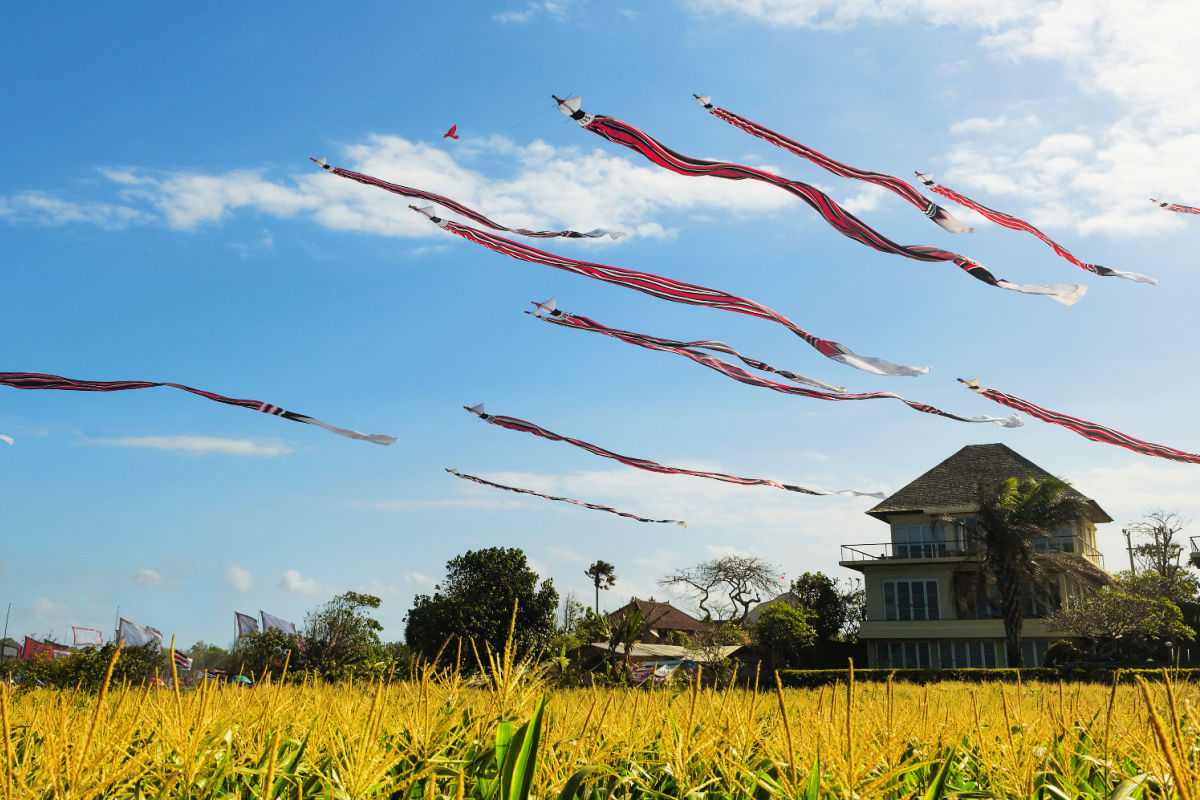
{"x":1175,"y":207}
{"x":738,"y":374}
{"x":609,"y":509}
{"x":1013,"y":223}
{"x":1088,"y":430}
{"x":622,"y":133}
{"x":551,"y":305}
{"x":668,"y":289}
{"x":514,"y":424}
{"x":929,"y":208}
{"x":35,"y":380}
{"x":459,"y":208}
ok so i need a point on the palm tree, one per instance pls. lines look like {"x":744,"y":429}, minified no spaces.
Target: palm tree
{"x":1012,"y":517}
{"x":603,"y":575}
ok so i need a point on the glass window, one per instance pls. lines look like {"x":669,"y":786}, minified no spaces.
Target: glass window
{"x":911,"y":600}
{"x":1034,"y":651}
{"x":975,"y":654}
{"x":916,"y":541}
{"x":902,"y":655}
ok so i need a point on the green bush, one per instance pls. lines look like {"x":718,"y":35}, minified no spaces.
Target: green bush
{"x":814,"y":678}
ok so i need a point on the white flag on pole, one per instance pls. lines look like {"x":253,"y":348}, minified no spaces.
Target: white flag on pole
{"x":87,"y":637}
{"x":137,"y":636}
{"x":246,"y":624}
{"x":271,"y":623}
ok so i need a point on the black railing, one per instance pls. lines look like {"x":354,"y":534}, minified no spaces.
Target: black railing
{"x":876,"y":551}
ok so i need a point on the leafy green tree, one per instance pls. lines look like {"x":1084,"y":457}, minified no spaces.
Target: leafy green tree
{"x":262,"y":652}
{"x":592,"y":627}
{"x":342,"y":634}
{"x":1012,"y":517}
{"x":1119,"y":622}
{"x":603,"y":575}
{"x":85,"y":668}
{"x":785,"y":632}
{"x":475,"y":603}
{"x":1158,"y":554}
{"x":207,"y":656}
{"x":835,"y":610}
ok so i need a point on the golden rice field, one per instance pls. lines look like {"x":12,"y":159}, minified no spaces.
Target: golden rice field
{"x":439,"y":735}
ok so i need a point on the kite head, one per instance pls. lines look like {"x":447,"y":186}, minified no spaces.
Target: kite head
{"x":430,"y":212}
{"x":1159,"y":203}
{"x":924,"y":178}
{"x":477,"y":410}
{"x":571,"y":107}
{"x":320,"y":161}
{"x":549,"y":308}
{"x":596,"y":233}
{"x":971,"y":383}
{"x":705,"y":100}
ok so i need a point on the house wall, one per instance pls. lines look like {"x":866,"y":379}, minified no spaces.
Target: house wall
{"x":948,"y":628}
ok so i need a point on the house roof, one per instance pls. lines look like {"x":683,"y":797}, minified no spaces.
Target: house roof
{"x":661,"y":616}
{"x":647,"y":652}
{"x":950,"y":486}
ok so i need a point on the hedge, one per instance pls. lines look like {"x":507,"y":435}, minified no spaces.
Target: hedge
{"x":814,"y":678}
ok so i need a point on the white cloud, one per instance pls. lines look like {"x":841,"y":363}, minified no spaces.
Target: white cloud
{"x":45,"y":209}
{"x":567,"y":554}
{"x":603,"y":189}
{"x":43,"y":608}
{"x":1138,"y":53}
{"x":419,"y":580}
{"x":203,"y":445}
{"x":239,"y":578}
{"x":557,"y":10}
{"x":147,"y":577}
{"x":296,"y":583}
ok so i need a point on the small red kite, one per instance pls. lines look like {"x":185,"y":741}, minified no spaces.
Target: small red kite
{"x":452,"y":133}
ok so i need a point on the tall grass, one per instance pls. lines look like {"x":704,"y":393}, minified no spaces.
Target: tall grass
{"x":438,"y":735}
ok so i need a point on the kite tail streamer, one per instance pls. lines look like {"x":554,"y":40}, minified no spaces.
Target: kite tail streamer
{"x":624,"y":134}
{"x":668,"y":289}
{"x":514,"y":424}
{"x":459,"y":208}
{"x":609,"y":509}
{"x":929,"y":208}
{"x":550,"y":307}
{"x":1175,"y":207}
{"x":1016,"y":224}
{"x":576,"y":322}
{"x":6,"y":439}
{"x":36,"y":380}
{"x":1088,"y":430}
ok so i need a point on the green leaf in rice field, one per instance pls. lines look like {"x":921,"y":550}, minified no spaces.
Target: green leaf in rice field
{"x":571,"y":788}
{"x":1127,"y":787}
{"x":520,"y":759}
{"x":938,"y":787}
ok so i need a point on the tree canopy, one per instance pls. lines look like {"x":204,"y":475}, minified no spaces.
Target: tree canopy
{"x":1011,"y":518}
{"x":1119,"y":622}
{"x":603,"y":575}
{"x":474,"y":602}
{"x":732,"y":584}
{"x":834,"y":610}
{"x":784,"y":630}
{"x":341,"y":633}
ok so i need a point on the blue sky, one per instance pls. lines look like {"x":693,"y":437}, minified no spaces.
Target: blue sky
{"x":161,"y":221}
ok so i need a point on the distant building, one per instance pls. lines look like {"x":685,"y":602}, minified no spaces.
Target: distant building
{"x":929,"y":604}
{"x":663,"y":619}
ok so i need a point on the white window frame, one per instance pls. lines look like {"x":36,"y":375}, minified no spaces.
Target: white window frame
{"x":932,"y":611}
{"x":915,"y":651}
{"x":967,"y":654}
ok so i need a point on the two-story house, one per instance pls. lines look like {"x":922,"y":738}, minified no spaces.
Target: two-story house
{"x":929,"y":602}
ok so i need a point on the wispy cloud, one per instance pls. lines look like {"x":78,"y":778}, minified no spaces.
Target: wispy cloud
{"x":147,"y":577}
{"x":45,"y":209}
{"x":239,"y":578}
{"x":296,"y":583}
{"x":1138,"y":54}
{"x":203,"y":445}
{"x":556,"y":10}
{"x":602,"y":190}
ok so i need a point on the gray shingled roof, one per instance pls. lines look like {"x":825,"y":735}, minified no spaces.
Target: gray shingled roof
{"x":951,"y":484}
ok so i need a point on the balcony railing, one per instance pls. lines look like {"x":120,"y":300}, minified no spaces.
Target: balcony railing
{"x":903,"y":551}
